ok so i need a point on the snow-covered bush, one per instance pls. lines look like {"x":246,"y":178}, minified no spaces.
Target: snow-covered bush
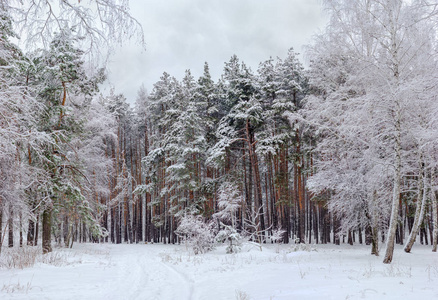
{"x":277,"y":235}
{"x":256,"y":236}
{"x":197,"y":234}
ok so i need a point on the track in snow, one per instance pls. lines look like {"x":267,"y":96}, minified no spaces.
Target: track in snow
{"x":142,"y":273}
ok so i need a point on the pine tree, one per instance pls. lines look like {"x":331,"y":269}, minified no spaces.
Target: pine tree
{"x":237,"y":129}
{"x":282,"y":86}
{"x":18,"y":110}
{"x":60,"y":79}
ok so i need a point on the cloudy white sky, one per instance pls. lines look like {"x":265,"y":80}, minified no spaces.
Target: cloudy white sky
{"x":183,"y":34}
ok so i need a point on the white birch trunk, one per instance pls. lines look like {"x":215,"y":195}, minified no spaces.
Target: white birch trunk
{"x":395,"y":197}
{"x":393,"y":15}
{"x":375,"y":227}
{"x":419,"y":213}
{"x":393,"y":221}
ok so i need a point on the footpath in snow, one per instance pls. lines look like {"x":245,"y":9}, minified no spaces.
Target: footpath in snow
{"x":96,"y":271}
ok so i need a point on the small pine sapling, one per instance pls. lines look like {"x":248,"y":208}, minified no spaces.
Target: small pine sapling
{"x":229,"y":202}
{"x":230,"y":234}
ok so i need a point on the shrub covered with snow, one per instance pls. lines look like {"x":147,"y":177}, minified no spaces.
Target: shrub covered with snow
{"x":197,"y":234}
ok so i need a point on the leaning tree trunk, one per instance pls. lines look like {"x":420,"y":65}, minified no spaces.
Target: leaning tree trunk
{"x":395,"y":199}
{"x":393,"y":221}
{"x":397,"y":109}
{"x":419,"y":212}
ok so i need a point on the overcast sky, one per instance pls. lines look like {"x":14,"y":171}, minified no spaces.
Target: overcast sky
{"x":183,"y":34}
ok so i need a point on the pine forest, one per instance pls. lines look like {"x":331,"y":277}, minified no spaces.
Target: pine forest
{"x":339,"y":150}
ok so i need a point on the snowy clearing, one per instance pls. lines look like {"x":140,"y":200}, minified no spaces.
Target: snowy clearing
{"x":91,"y":271}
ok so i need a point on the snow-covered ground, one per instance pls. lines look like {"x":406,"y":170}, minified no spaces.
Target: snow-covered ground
{"x":92,"y":271}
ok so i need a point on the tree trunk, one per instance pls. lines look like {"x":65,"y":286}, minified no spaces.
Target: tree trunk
{"x":1,"y":223}
{"x":256,"y":174}
{"x":31,"y":233}
{"x":113,"y":224}
{"x":373,"y":228}
{"x":397,"y":146}
{"x":65,"y":232}
{"x":300,"y":192}
{"x":434,"y":217}
{"x":316,"y":219}
{"x":47,"y":230}
{"x":118,"y":224}
{"x":395,"y":206}
{"x":429,"y":224}
{"x":423,"y":234}
{"x":350,"y":237}
{"x":375,"y":240}
{"x":336,"y":230}
{"x":11,"y":227}
{"x":21,"y":230}
{"x":37,"y":227}
{"x":419,"y":212}
{"x":309,"y":220}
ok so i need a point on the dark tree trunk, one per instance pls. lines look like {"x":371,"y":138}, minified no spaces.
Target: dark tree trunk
{"x":11,"y":228}
{"x":21,"y":230}
{"x":37,"y":228}
{"x":337,"y":240}
{"x":113,"y":225}
{"x":47,"y":230}
{"x":401,"y":231}
{"x":350,"y":238}
{"x":286,"y":221}
{"x":31,"y":233}
{"x":429,"y":225}
{"x":65,"y":232}
{"x":134,"y":221}
{"x":118,"y":225}
{"x":84,"y":232}
{"x":310,"y":220}
{"x":424,"y":234}
{"x":315,"y":223}
{"x":105,"y":225}
{"x":397,"y":235}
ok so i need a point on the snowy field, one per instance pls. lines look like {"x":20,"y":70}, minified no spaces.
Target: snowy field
{"x":92,"y":271}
